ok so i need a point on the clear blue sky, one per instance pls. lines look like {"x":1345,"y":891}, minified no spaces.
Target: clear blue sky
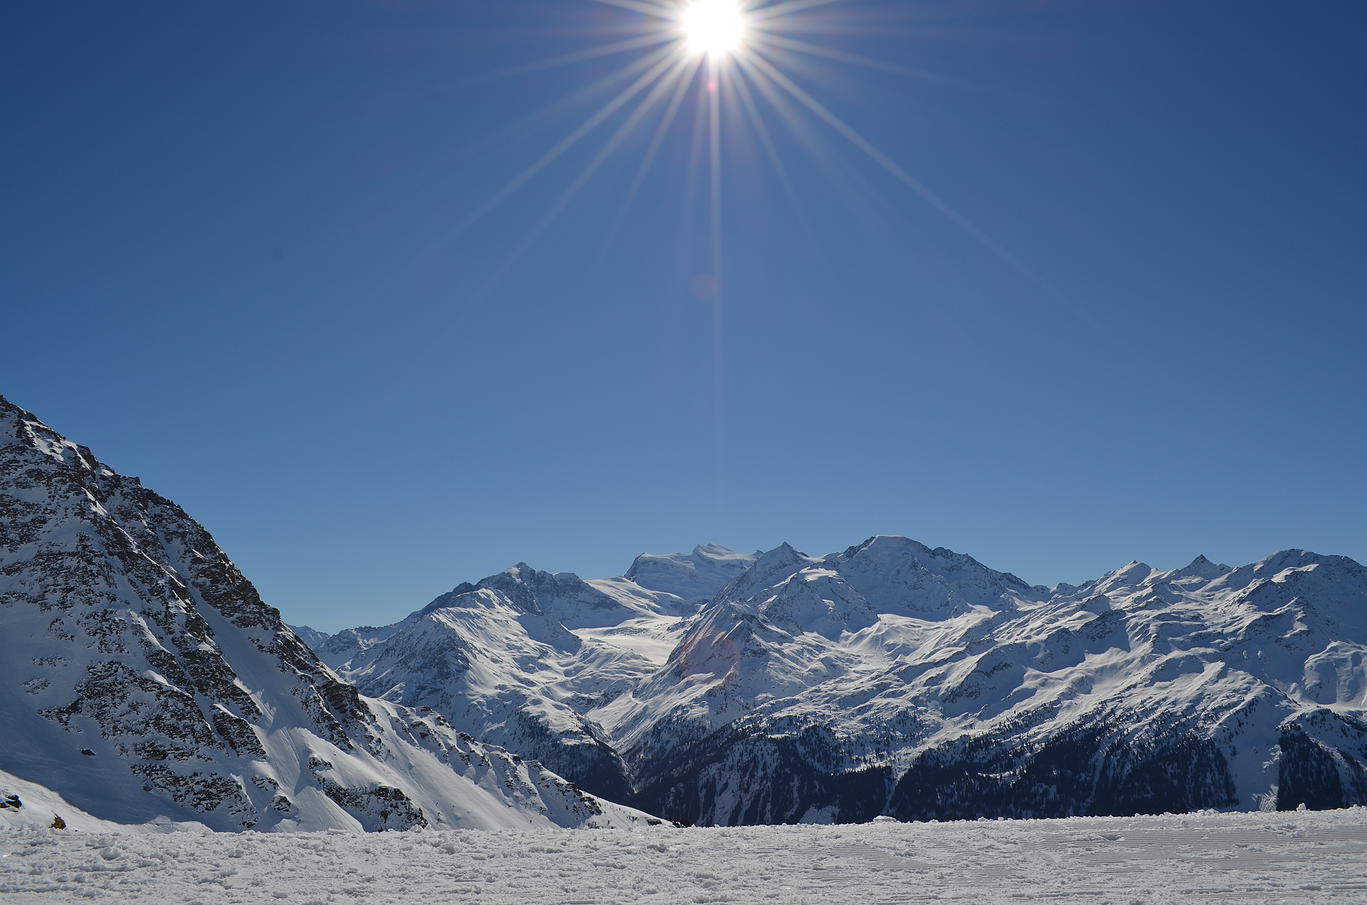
{"x":231,"y":266}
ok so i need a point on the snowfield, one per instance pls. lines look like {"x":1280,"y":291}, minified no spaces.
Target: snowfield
{"x":1247,"y":859}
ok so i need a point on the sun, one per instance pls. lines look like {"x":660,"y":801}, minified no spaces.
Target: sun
{"x":742,"y":64}
{"x":713,"y":28}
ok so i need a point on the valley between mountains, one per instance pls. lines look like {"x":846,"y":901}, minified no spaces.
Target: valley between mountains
{"x":146,"y":680}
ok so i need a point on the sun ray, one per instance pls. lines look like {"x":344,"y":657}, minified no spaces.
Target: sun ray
{"x":665,"y":57}
{"x":662,"y":85}
{"x":776,"y":43}
{"x":695,"y":161}
{"x":748,"y":70}
{"x":714,"y":145}
{"x":656,"y":143}
{"x":816,"y":144}
{"x":716,"y":74}
{"x":573,"y":101}
{"x":891,"y":166}
{"x":648,"y":39}
{"x":766,"y":140}
{"x":769,"y":39}
{"x":641,"y":6}
{"x":734,"y":54}
{"x":576,"y":99}
{"x":775,"y":10}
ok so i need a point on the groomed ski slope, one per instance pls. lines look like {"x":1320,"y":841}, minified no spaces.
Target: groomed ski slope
{"x":1248,"y":859}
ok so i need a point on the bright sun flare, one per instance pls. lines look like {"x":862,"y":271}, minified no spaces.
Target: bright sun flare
{"x":714,"y":28}
{"x":741,"y":61}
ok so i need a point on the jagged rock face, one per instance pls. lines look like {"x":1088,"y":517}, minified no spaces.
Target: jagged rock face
{"x":896,"y":678}
{"x":146,"y":678}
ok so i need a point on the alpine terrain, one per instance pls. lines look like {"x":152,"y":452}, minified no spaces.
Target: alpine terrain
{"x":144,"y":679}
{"x":896,"y":679}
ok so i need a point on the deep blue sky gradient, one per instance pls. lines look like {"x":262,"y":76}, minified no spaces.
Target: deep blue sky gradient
{"x":230,"y":267}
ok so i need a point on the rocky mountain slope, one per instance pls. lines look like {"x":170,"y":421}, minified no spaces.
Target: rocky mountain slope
{"x":144,"y":678}
{"x":519,"y":660}
{"x":895,"y":678}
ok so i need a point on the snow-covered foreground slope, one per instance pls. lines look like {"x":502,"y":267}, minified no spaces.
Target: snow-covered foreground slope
{"x":1241,"y":859}
{"x":27,"y":804}
{"x":143,"y":678}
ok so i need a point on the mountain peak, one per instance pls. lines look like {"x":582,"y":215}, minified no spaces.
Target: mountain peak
{"x":1287,"y":559}
{"x":1201,"y":567}
{"x":1132,"y":571}
{"x":784,"y":556}
{"x":767,"y":569}
{"x":892,"y":542}
{"x":10,"y":410}
{"x":163,"y":685}
{"x":784,"y":551}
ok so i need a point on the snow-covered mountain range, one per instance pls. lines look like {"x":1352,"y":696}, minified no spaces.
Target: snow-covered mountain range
{"x":143,"y":678}
{"x":892,"y":678}
{"x":522,"y":658}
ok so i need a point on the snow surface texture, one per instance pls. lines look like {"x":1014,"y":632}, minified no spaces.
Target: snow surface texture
{"x":144,"y":679}
{"x":1243,"y":859}
{"x":895,"y":678}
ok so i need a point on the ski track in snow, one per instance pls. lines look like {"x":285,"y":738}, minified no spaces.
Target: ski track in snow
{"x":1247,"y":859}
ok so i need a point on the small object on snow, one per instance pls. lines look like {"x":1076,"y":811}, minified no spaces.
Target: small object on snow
{"x":11,"y":801}
{"x":57,"y":822}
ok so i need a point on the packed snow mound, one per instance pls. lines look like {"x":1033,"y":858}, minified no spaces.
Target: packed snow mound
{"x":147,"y":679}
